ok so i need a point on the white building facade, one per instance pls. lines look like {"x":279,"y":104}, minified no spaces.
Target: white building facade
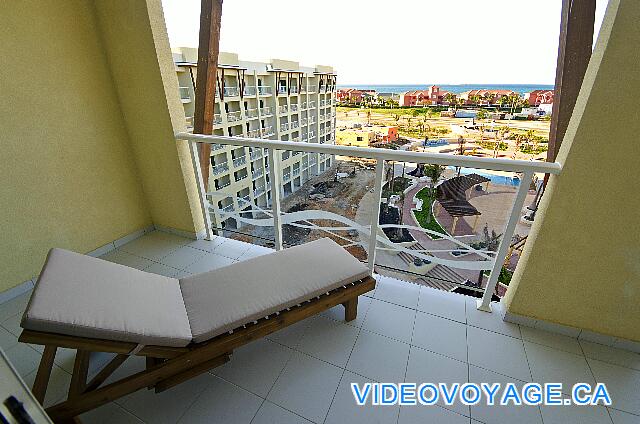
{"x":278,"y":100}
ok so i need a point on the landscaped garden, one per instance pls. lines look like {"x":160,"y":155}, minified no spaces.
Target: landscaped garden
{"x":425,"y":216}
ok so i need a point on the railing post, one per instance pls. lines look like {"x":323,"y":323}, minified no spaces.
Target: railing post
{"x":375,"y":216}
{"x":276,"y":184}
{"x":202,"y":190}
{"x":484,"y":304}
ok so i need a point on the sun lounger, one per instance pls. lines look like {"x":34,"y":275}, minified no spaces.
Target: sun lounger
{"x":183,"y":327}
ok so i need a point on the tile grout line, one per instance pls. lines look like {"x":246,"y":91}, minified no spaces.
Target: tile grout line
{"x":466,"y":340}
{"x":344,"y":370}
{"x":594,"y":376}
{"x":413,"y":330}
{"x":526,"y":357}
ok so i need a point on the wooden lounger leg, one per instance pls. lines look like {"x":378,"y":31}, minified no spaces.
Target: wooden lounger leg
{"x":350,"y":309}
{"x":80,"y":371}
{"x":44,"y":373}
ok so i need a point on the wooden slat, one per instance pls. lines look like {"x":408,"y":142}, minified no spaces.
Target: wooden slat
{"x":574,"y":53}
{"x":79,"y":376}
{"x":191,"y":373}
{"x":105,"y":372}
{"x":208,"y":49}
{"x":44,"y":373}
{"x":97,"y":345}
{"x":203,"y":352}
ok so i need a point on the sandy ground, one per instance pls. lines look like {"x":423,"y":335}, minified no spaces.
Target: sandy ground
{"x":347,"y":117}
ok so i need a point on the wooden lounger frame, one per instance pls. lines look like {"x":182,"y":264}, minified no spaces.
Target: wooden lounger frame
{"x":165,"y":366}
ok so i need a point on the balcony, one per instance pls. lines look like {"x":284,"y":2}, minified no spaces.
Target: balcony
{"x":283,"y":109}
{"x":303,"y":106}
{"x":215,"y":147}
{"x":249,"y":90}
{"x":220,"y":186}
{"x":323,"y":103}
{"x":264,"y":90}
{"x":296,"y":171}
{"x":282,"y":90}
{"x":286,"y":176}
{"x":253,"y":133}
{"x":255,"y":153}
{"x":311,"y":134}
{"x":251,"y":113}
{"x":228,"y":208}
{"x":266,"y":111}
{"x":185,"y":94}
{"x":231,"y":91}
{"x":294,"y":125}
{"x":240,"y":161}
{"x":220,"y":168}
{"x":294,"y":89}
{"x":217,"y":119}
{"x":258,"y":191}
{"x":294,"y":107}
{"x":268,"y":131}
{"x":234,"y":116}
{"x":284,"y":126}
{"x":240,"y":177}
{"x":257,"y":173}
{"x":312,"y":104}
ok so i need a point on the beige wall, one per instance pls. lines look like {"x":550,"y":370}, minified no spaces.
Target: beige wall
{"x":71,"y":172}
{"x":142,"y":67}
{"x":581,"y":266}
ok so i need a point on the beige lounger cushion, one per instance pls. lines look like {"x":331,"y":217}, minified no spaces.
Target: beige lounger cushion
{"x":88,"y":297}
{"x":226,"y":298}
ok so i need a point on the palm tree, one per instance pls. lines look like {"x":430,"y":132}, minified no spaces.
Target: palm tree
{"x":434,"y":172}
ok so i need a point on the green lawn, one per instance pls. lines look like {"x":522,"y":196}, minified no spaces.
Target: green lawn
{"x":422,"y":216}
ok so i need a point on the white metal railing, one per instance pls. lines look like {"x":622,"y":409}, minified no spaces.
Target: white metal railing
{"x":217,"y":118}
{"x":266,"y":111}
{"x":283,"y":109}
{"x":249,"y":90}
{"x":303,"y":89}
{"x":303,"y":121}
{"x":312,"y":104}
{"x":282,"y":90}
{"x":293,"y":89}
{"x":264,"y":90}
{"x":268,"y":131}
{"x":311,"y":134}
{"x":286,"y":155}
{"x":312,"y":120}
{"x":234,"y":116}
{"x":228,"y":208}
{"x":217,"y":146}
{"x":294,"y":125}
{"x":239,"y":161}
{"x":286,"y":176}
{"x":240,"y":177}
{"x":484,"y":259}
{"x":253,"y":133}
{"x":251,"y":113}
{"x":284,"y":126}
{"x":303,"y":106}
{"x":220,"y":168}
{"x":257,"y":173}
{"x":322,"y":103}
{"x":294,"y":107}
{"x":311,"y":88}
{"x":231,"y":91}
{"x":296,"y":171}
{"x":304,"y":138}
{"x":185,"y":93}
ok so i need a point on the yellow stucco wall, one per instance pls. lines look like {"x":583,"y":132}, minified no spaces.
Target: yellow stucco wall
{"x":350,"y":138}
{"x":67,"y":176}
{"x":581,"y":266}
{"x":89,"y":107}
{"x":137,"y":47}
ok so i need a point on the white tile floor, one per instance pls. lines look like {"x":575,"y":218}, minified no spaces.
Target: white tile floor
{"x":301,"y":374}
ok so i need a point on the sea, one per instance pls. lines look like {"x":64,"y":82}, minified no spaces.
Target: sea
{"x":454,"y":88}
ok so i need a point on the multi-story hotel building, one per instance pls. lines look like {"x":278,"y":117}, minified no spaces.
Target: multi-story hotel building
{"x":278,"y":100}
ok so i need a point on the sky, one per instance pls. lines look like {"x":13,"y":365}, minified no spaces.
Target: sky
{"x":398,"y":42}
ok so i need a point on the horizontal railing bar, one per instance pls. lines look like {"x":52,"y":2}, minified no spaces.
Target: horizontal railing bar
{"x":406,"y":271}
{"x":495,"y":164}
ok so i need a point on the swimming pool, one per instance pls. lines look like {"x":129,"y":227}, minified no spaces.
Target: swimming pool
{"x":495,"y":178}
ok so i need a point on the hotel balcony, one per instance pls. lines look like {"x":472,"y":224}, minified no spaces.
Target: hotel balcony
{"x":234,"y":116}
{"x":303,"y":106}
{"x":266,"y":111}
{"x":257,"y":173}
{"x":185,"y":94}
{"x":249,"y":90}
{"x":258,"y":191}
{"x":253,"y":133}
{"x":251,"y":113}
{"x":283,"y":109}
{"x":268,"y":131}
{"x":284,"y":126}
{"x":255,"y":153}
{"x":231,"y":91}
{"x":282,"y":90}
{"x":217,"y":119}
{"x":123,"y":183}
{"x":312,"y":104}
{"x":293,"y":89}
{"x":294,"y":125}
{"x":264,"y":90}
{"x":240,"y":161}
{"x":294,"y":107}
{"x":220,"y":168}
